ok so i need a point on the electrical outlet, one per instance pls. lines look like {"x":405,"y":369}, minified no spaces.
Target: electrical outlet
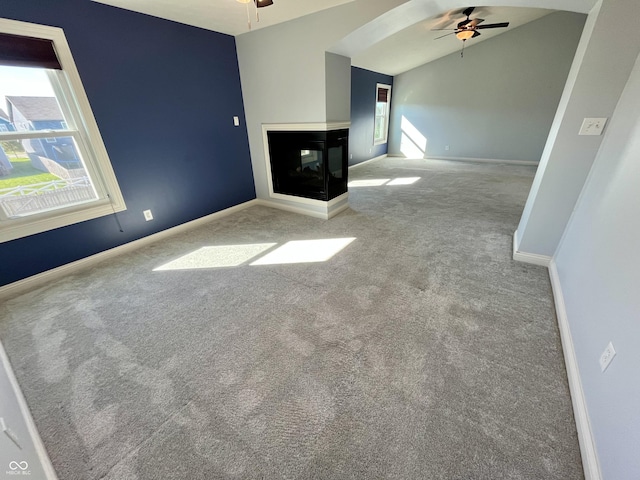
{"x":236,"y":121}
{"x":592,"y":126}
{"x":607,"y":356}
{"x":446,"y":147}
{"x":148,"y":215}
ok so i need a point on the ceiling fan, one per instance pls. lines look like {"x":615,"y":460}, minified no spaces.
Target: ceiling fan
{"x":468,"y":28}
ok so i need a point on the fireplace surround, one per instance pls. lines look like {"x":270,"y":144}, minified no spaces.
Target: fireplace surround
{"x":307,"y":166}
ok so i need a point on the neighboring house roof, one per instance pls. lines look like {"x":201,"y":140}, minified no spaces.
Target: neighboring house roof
{"x":37,"y":108}
{"x":4,"y":116}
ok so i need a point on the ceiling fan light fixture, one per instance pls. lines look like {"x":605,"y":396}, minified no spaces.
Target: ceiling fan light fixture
{"x":465,"y":34}
{"x":263,"y":3}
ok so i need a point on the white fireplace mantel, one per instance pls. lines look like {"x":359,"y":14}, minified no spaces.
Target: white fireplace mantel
{"x":292,"y":203}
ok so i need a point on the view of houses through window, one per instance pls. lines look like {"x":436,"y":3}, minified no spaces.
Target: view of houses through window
{"x":41,"y":168}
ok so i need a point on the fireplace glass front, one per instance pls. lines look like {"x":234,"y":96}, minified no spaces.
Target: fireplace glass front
{"x":310,"y":164}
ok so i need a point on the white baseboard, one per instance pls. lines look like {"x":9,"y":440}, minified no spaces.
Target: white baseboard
{"x":484,"y":160}
{"x":43,"y":278}
{"x":379,"y":157}
{"x":36,"y":441}
{"x":524,"y":257}
{"x":301,"y":210}
{"x":590,"y":462}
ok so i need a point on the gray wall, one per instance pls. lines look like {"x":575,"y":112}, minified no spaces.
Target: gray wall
{"x":338,"y":87}
{"x":605,"y":57}
{"x":599,"y":267}
{"x":498,"y":102}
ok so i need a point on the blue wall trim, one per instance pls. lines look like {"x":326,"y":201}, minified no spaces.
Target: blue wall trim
{"x":363,"y":106}
{"x":163,"y":95}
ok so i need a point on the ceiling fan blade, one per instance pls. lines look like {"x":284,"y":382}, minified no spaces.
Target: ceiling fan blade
{"x":475,"y":22}
{"x":476,"y":34}
{"x":441,"y":29}
{"x":464,"y":23}
{"x":494,"y":25}
{"x":445,"y":35}
{"x":468,"y":11}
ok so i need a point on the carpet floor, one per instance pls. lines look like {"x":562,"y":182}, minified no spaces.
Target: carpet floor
{"x":406,"y":344}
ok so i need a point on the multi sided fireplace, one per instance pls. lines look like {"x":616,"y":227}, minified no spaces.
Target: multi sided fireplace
{"x":309,"y":164}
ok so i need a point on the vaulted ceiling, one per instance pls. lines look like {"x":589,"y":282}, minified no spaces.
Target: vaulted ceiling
{"x":399,"y":42}
{"x":225,"y":16}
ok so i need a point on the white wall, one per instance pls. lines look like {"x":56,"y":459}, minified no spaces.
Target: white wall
{"x":498,"y":102}
{"x":606,"y":54}
{"x":598,"y":262}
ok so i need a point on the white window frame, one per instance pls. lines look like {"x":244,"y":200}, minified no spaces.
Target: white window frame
{"x":82,"y":127}
{"x":381,"y":141}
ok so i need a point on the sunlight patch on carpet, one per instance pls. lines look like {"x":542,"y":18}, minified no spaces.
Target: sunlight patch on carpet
{"x":216,"y":257}
{"x":404,"y":181}
{"x":305,"y":251}
{"x":374,"y":182}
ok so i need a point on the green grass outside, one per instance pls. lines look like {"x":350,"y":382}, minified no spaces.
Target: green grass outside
{"x":24,"y":174}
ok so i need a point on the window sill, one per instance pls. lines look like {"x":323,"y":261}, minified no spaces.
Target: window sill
{"x":24,"y":227}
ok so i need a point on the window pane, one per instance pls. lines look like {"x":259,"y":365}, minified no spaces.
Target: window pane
{"x":379,"y":128}
{"x":381,"y":108}
{"x":38,"y":175}
{"x":27,"y":100}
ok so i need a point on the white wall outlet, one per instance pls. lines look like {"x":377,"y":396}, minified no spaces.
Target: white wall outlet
{"x":148,"y":215}
{"x":607,"y":356}
{"x":446,"y":147}
{"x":592,"y":126}
{"x":236,"y":121}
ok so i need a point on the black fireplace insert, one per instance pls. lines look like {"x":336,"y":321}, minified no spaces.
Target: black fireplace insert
{"x":310,"y":164}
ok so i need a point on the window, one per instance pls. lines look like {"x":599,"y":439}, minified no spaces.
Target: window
{"x":54,"y":168}
{"x":383,"y":102}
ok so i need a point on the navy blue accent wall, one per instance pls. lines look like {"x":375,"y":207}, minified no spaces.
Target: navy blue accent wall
{"x":363,"y":108}
{"x":163,"y":95}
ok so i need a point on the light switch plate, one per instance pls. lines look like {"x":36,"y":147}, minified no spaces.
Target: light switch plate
{"x":592,"y":126}
{"x":607,"y":356}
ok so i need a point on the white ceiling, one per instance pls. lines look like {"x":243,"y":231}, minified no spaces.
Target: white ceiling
{"x":226,"y":16}
{"x":417,"y":44}
{"x":395,"y":54}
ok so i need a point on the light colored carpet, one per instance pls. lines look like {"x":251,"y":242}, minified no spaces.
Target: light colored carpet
{"x":421,"y":350}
